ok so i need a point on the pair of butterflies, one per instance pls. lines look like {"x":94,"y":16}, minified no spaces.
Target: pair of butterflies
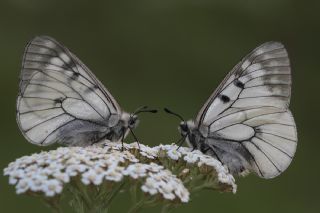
{"x":246,"y":123}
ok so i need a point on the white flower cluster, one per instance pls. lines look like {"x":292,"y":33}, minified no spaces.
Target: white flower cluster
{"x":185,"y":154}
{"x":47,"y":172}
{"x":158,"y":180}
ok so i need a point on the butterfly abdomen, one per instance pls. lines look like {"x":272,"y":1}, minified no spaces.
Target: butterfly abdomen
{"x":231,"y":154}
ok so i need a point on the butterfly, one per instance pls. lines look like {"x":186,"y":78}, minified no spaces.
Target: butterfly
{"x":246,"y":123}
{"x":61,"y":101}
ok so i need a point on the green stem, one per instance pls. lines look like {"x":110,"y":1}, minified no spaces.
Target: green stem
{"x":133,"y":192}
{"x":53,"y":204}
{"x":111,"y":196}
{"x":167,"y":208}
{"x":137,"y":206}
{"x":202,"y":187}
{"x":83,"y":192}
{"x":152,"y":202}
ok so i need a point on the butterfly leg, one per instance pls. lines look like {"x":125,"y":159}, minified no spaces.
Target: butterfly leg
{"x":135,"y":138}
{"x":180,"y":141}
{"x":122,"y":139}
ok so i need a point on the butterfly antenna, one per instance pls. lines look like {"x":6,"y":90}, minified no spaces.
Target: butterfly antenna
{"x":139,"y":109}
{"x":173,"y":113}
{"x":144,"y":109}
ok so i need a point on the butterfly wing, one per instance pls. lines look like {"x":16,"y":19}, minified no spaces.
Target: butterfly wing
{"x":60,"y":99}
{"x":250,"y":108}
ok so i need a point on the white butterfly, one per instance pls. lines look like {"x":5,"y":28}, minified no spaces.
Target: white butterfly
{"x":60,"y":99}
{"x":246,"y":123}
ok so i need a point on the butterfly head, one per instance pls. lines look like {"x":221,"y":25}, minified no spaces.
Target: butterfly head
{"x":133,"y":121}
{"x":185,"y":127}
{"x":128,"y":120}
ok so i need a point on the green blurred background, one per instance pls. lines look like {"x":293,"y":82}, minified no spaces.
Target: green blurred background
{"x":173,"y":53}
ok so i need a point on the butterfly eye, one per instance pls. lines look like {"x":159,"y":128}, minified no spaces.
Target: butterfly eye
{"x":184,"y":127}
{"x":132,"y":121}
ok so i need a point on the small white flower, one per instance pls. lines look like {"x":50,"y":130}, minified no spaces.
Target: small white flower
{"x":12,"y":180}
{"x":165,"y":183}
{"x":130,"y":157}
{"x":191,"y":157}
{"x":182,"y":193}
{"x":114,"y":173}
{"x":91,"y":176}
{"x":30,"y":159}
{"x":136,"y":170}
{"x":150,"y":186}
{"x":153,"y":167}
{"x":31,"y":168}
{"x":74,"y":170}
{"x":168,"y":196}
{"x":173,"y":154}
{"x":52,"y":187}
{"x":39,"y":175}
{"x":36,"y":183}
{"x":147,"y":155}
{"x":198,"y":152}
{"x":22,"y":186}
{"x":148,"y":152}
{"x":63,"y":177}
{"x":72,"y":161}
{"x":18,"y":173}
{"x":166,"y":189}
{"x":167,"y":147}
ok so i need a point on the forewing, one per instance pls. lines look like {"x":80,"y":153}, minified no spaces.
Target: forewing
{"x":59,"y":94}
{"x":262,"y":78}
{"x":250,"y":107}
